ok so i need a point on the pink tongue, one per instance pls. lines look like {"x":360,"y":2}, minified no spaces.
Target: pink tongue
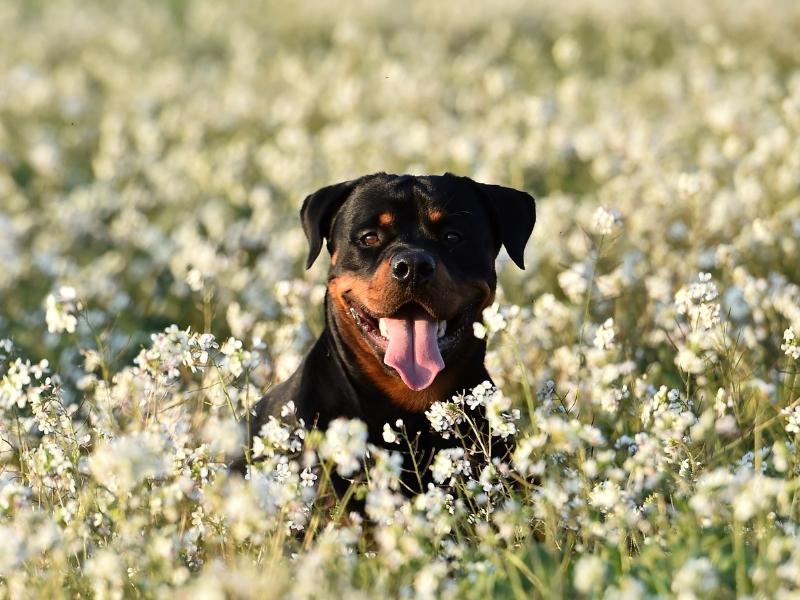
{"x":413,"y":350}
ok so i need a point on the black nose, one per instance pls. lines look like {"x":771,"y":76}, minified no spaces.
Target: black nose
{"x":413,"y":266}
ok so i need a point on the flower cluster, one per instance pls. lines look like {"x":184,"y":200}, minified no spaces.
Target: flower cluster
{"x":696,"y":302}
{"x":791,"y":344}
{"x":61,"y":308}
{"x":154,"y":156}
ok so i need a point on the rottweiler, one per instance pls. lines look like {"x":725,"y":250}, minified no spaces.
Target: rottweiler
{"x":412,"y":267}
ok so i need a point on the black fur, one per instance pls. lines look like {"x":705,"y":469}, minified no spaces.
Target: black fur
{"x":331,"y":381}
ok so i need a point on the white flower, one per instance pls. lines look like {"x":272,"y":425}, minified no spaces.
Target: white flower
{"x":696,"y":301}
{"x":575,"y":281}
{"x":588,"y":574}
{"x":428,"y":580}
{"x":307,"y":477}
{"x":689,"y":362}
{"x":791,"y":345}
{"x":382,"y":505}
{"x":389,"y":435}
{"x":274,"y":435}
{"x":605,"y":221}
{"x":448,"y":463}
{"x":792,"y":419}
{"x":604,"y":336}
{"x":443,"y":417}
{"x":605,"y":496}
{"x":500,"y":414}
{"x":125,"y":462}
{"x":494,"y":321}
{"x":60,"y":313}
{"x":345,"y":444}
{"x":288,"y":409}
{"x":695,"y":579}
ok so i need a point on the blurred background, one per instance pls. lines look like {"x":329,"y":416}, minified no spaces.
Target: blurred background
{"x":154,"y":155}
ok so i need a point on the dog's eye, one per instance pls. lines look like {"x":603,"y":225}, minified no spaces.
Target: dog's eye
{"x":452,"y":237}
{"x":369,"y":239}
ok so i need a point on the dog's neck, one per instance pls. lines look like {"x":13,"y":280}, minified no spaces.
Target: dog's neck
{"x":370,"y":380}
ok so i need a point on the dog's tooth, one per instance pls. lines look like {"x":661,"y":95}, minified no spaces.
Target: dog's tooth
{"x":384,"y":327}
{"x":442,"y":329}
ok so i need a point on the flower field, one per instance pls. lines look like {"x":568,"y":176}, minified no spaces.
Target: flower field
{"x":153,"y":158}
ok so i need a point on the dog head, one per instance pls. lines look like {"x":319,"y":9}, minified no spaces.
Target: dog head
{"x":412,"y":267}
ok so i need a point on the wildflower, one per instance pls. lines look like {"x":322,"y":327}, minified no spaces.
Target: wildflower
{"x":106,"y":572}
{"x":606,"y":221}
{"x":695,"y":579}
{"x":688,"y":362}
{"x":429,"y":580}
{"x":61,"y":307}
{"x":307,"y":477}
{"x":605,"y":496}
{"x":123,"y":463}
{"x":288,"y":409}
{"x":524,"y":454}
{"x":382,"y":505}
{"x":443,"y":417}
{"x":386,"y":468}
{"x":345,"y":444}
{"x":604,"y":336}
{"x":389,"y":434}
{"x":274,"y":435}
{"x":493,"y":322}
{"x":237,"y":359}
{"x":575,"y":281}
{"x":792,"y":419}
{"x":448,"y":463}
{"x":696,"y":301}
{"x":500,"y":415}
{"x":791,"y":344}
{"x":223,"y":435}
{"x":588,"y":574}
{"x":628,"y":588}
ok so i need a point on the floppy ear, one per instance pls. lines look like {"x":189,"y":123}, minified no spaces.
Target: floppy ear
{"x":514,"y":215}
{"x":318,"y":212}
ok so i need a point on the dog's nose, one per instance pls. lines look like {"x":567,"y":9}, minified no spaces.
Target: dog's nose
{"x":413,"y":266}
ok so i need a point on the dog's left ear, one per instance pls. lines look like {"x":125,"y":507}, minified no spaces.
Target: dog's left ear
{"x":514,"y":214}
{"x":318,"y":212}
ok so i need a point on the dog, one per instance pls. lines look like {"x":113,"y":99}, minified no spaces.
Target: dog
{"x":412,"y":267}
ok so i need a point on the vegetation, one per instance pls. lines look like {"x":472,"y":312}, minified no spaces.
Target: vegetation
{"x":153,"y":157}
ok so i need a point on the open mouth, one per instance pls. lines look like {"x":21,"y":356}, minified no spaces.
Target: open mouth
{"x":376,"y":329}
{"x":411,"y":339}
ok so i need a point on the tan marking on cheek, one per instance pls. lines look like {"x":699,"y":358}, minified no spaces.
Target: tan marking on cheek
{"x":389,"y":383}
{"x":355,"y":341}
{"x":347,"y":283}
{"x":381,"y":279}
{"x":334,"y":258}
{"x":379,"y":294}
{"x":435,"y":216}
{"x":385,"y":219}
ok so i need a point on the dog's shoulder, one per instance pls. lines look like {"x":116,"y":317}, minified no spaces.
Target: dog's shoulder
{"x":317,"y":390}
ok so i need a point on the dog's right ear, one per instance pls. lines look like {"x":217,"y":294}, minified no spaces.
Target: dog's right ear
{"x":318,"y":212}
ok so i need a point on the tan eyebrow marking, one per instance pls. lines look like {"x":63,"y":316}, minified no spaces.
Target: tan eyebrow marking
{"x":385,"y":219}
{"x":435,"y":216}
